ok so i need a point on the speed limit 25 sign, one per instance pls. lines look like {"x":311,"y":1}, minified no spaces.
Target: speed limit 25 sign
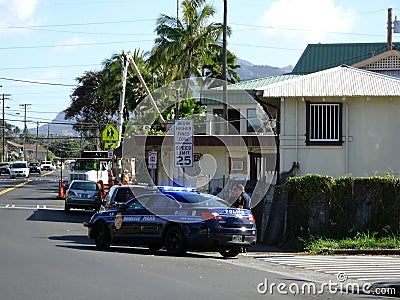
{"x":183,"y":143}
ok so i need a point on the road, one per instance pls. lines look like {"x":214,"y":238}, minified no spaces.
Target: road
{"x":45,"y":254}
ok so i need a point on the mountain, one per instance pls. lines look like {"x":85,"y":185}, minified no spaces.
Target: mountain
{"x":58,"y":127}
{"x":249,"y":71}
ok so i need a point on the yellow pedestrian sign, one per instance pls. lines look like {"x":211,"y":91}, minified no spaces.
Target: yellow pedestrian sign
{"x":110,"y":145}
{"x":110,"y":134}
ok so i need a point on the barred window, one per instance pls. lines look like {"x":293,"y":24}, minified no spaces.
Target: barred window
{"x":324,"y":123}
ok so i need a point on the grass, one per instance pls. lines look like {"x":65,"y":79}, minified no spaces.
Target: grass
{"x":362,"y":241}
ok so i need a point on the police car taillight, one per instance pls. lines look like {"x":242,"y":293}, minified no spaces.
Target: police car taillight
{"x":207,"y":215}
{"x":251,"y":218}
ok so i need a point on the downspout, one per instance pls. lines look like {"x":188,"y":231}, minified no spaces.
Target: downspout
{"x":347,"y":140}
{"x":296,"y":133}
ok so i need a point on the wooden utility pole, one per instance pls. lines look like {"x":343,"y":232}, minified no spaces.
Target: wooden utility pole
{"x":224,"y":70}
{"x":389,"y":30}
{"x":25,"y":106}
{"x":37,"y":137}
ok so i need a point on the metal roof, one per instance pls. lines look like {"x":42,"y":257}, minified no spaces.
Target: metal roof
{"x":317,"y":57}
{"x":255,"y":83}
{"x":240,"y":93}
{"x":338,"y":81}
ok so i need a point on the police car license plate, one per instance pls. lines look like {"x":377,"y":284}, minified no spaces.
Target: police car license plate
{"x":237,"y":238}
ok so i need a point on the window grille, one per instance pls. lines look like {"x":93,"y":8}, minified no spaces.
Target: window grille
{"x":324,"y":122}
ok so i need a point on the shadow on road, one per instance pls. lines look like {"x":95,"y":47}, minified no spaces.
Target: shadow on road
{"x":79,"y":242}
{"x":49,"y":215}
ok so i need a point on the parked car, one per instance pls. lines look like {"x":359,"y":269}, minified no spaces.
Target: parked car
{"x":34,"y":167}
{"x":46,"y":165}
{"x":5,"y":168}
{"x":83,"y":194}
{"x":19,"y":169}
{"x":176,"y":219}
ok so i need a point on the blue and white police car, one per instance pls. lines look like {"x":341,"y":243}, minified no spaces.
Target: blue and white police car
{"x":178,"y":219}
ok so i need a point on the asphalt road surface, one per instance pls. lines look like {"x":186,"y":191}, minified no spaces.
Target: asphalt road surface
{"x":45,"y":254}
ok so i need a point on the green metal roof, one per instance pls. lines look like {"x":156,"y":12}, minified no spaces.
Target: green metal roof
{"x":240,"y":93}
{"x":250,"y":85}
{"x":318,"y":57}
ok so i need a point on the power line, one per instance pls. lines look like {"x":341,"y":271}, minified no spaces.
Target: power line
{"x":37,"y":82}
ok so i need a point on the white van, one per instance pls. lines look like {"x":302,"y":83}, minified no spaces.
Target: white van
{"x":46,"y":165}
{"x":19,"y":169}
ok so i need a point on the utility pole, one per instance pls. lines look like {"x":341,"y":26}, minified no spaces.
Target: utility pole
{"x":389,"y":30}
{"x":25,"y":106}
{"x":37,"y":137}
{"x":48,"y":141}
{"x":224,"y":70}
{"x":3,"y":156}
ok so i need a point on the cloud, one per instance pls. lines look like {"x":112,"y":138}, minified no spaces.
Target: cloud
{"x":17,"y":10}
{"x":294,"y":23}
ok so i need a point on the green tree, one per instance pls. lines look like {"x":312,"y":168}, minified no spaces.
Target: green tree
{"x":65,"y":148}
{"x":88,"y":107}
{"x":188,"y":46}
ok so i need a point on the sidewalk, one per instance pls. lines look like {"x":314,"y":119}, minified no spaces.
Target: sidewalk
{"x":262,"y":248}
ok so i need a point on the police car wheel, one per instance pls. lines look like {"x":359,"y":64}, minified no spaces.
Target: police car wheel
{"x":102,"y":237}
{"x":175,"y":241}
{"x":230,"y":252}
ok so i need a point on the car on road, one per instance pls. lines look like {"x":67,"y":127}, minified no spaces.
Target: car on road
{"x":83,"y":194}
{"x":34,"y":167}
{"x":5,"y":168}
{"x":177,"y":219}
{"x":19,"y":169}
{"x":46,"y":165}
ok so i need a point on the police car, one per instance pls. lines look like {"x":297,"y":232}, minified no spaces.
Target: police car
{"x":178,"y":219}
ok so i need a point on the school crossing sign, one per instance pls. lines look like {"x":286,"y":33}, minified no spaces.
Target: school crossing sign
{"x":183,"y":143}
{"x":110,"y":136}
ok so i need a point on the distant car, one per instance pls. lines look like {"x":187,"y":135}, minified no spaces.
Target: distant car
{"x":19,"y":169}
{"x":46,"y":166}
{"x":176,"y":219}
{"x":34,"y":167}
{"x":83,"y":194}
{"x":5,"y":168}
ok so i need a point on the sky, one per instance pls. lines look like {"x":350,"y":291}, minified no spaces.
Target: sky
{"x":46,"y":44}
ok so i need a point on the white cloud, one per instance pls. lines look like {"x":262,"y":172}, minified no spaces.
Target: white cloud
{"x":294,"y":23}
{"x":17,"y":10}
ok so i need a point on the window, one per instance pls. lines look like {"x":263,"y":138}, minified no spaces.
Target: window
{"x":253,"y":123}
{"x":324,"y":124}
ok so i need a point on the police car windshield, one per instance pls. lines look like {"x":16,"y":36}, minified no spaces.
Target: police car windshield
{"x":199,"y":200}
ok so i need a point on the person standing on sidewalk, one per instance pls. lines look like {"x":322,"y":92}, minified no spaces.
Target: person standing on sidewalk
{"x":242,"y":198}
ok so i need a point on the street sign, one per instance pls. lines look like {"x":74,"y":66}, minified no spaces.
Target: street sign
{"x":183,"y":143}
{"x":110,"y":145}
{"x":110,"y":153}
{"x":183,"y":155}
{"x":110,"y":134}
{"x":183,"y":132}
{"x":152,"y":160}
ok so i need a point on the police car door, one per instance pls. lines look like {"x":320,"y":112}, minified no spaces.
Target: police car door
{"x":150,"y":220}
{"x":131,"y":220}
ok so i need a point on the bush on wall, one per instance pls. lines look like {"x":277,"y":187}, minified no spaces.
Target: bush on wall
{"x":342,"y":207}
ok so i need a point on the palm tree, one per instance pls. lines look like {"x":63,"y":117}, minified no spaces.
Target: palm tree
{"x":186,"y":46}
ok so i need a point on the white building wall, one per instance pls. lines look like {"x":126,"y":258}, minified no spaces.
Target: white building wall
{"x":371,"y":149}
